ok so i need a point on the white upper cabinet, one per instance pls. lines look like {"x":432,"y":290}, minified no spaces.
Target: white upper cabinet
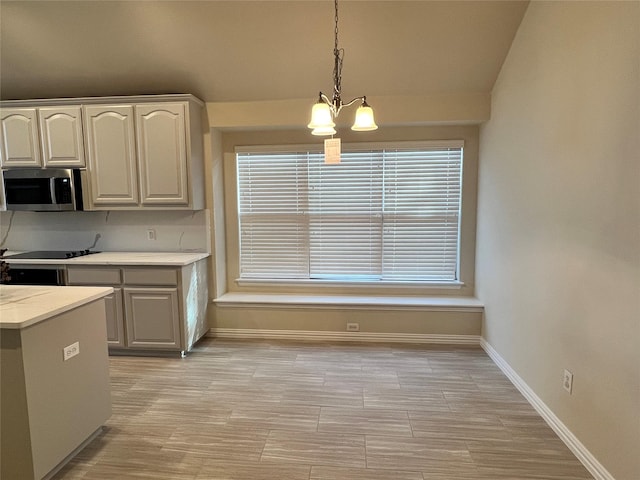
{"x":19,"y":140}
{"x":61,"y":135}
{"x":110,"y":142}
{"x":162,"y":154}
{"x":136,"y":152}
{"x":45,"y":136}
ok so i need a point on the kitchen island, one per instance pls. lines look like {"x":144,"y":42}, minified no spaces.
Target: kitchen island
{"x":54,"y":376}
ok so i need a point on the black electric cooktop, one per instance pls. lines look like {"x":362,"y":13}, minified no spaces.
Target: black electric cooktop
{"x":51,"y":254}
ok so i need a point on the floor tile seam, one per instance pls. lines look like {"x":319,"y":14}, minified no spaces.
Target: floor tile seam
{"x":322,"y":463}
{"x":421,"y":471}
{"x":410,"y":425}
{"x":363,"y":409}
{"x":374,"y":436}
{"x":559,"y":459}
{"x":264,"y":445}
{"x":391,"y":435}
{"x":525,"y":462}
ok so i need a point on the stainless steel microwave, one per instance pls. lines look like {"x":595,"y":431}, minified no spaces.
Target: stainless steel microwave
{"x":43,"y":190}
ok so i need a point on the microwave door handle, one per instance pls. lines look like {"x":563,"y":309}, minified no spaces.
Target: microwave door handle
{"x":52,"y":189}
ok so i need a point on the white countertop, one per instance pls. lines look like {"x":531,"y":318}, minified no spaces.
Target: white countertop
{"x":178,"y":259}
{"x":25,"y":305}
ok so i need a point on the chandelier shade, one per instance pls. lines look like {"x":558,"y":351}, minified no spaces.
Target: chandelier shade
{"x":320,"y":131}
{"x":364,"y":119}
{"x":321,"y":116}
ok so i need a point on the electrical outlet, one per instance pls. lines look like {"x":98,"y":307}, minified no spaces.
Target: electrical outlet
{"x":353,"y":327}
{"x":151,"y":234}
{"x":567,"y":381}
{"x":70,"y":351}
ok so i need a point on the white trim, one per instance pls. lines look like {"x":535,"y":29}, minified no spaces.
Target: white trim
{"x":349,"y":302}
{"x":309,"y":335}
{"x":581,"y":452}
{"x":37,"y":102}
{"x":350,"y":146}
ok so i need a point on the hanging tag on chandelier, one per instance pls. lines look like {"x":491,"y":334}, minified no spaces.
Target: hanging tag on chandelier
{"x":332,"y":151}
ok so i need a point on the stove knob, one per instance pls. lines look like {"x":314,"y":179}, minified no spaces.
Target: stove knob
{"x":86,"y":252}
{"x":69,"y":254}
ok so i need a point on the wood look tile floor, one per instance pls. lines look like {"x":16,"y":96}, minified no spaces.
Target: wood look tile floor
{"x":268,"y":410}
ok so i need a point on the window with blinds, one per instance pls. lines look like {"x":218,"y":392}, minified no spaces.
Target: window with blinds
{"x":387,"y":214}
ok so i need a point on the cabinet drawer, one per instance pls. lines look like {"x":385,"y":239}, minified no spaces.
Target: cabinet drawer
{"x":94,"y":276}
{"x":151,"y":276}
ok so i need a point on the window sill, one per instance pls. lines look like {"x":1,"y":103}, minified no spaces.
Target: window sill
{"x":342,"y":302}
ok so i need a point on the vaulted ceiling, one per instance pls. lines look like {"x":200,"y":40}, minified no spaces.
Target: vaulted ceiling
{"x":237,"y":51}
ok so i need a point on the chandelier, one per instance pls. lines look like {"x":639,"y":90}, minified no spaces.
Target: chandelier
{"x":325,"y":111}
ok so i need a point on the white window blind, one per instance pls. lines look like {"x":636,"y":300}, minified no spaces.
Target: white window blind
{"x":273,"y":205}
{"x":383,"y":214}
{"x":345,"y":217}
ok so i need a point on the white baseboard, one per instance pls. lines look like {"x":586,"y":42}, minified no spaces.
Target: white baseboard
{"x":581,"y":452}
{"x":344,"y":336}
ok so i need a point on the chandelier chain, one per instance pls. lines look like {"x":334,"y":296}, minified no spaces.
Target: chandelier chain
{"x":337,"y":67}
{"x":335,"y":49}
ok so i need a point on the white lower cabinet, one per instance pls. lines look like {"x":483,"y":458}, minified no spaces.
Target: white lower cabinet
{"x":152,"y":318}
{"x":151,"y":308}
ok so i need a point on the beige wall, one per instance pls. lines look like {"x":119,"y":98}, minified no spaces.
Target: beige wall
{"x":558,"y":256}
{"x":445,"y":108}
{"x":421,"y":322}
{"x":414,"y":322}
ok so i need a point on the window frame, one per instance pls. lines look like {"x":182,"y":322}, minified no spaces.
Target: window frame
{"x":262,"y":283}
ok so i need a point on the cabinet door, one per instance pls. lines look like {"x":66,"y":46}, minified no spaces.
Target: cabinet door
{"x":115,"y":319}
{"x":19,"y":145}
{"x":162,"y":154}
{"x":152,"y":318}
{"x":110,"y":144}
{"x":61,"y":132}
